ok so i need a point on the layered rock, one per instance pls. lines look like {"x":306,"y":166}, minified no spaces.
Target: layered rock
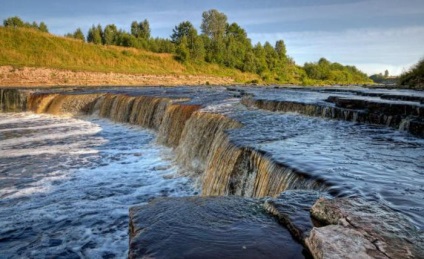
{"x":401,"y":115}
{"x":360,"y":229}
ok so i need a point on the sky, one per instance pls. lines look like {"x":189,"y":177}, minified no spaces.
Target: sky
{"x":373,"y":35}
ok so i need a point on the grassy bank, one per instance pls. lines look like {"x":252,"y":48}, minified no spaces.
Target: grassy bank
{"x":30,"y":48}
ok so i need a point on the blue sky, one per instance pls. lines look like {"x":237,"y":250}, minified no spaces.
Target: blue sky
{"x":373,"y":35}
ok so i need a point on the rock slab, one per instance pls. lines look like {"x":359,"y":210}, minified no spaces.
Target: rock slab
{"x":208,"y":227}
{"x":361,"y":229}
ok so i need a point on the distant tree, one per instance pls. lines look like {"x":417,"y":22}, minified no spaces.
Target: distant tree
{"x":43,"y":27}
{"x":386,"y":73}
{"x":94,"y":34}
{"x":125,"y":39}
{"x":237,"y":45}
{"x":78,"y":34}
{"x":235,"y":31}
{"x":250,"y":62}
{"x":183,"y":29}
{"x":183,"y":52}
{"x":185,"y":37}
{"x":280,"y":48}
{"x":198,"y":51}
{"x":260,"y":54}
{"x":141,"y":30}
{"x":145,"y":29}
{"x":134,"y":29}
{"x":14,"y":21}
{"x":17,"y":22}
{"x":271,"y":56}
{"x":214,"y":24}
{"x":110,"y":35}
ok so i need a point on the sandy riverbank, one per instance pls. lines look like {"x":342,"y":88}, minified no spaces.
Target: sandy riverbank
{"x":45,"y":77}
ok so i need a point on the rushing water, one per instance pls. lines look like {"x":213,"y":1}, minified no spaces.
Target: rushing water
{"x":66,"y":184}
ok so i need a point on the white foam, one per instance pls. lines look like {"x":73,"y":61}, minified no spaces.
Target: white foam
{"x":222,"y":106}
{"x":83,"y":196}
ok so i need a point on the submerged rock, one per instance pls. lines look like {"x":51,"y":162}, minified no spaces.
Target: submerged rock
{"x":208,"y":227}
{"x":359,"y":228}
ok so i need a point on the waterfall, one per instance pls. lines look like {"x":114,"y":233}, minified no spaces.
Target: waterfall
{"x":174,"y":122}
{"x":353,"y":110}
{"x":12,"y":100}
{"x":201,"y":140}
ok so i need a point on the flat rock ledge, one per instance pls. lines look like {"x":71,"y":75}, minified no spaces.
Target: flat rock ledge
{"x":359,"y":229}
{"x":296,"y":224}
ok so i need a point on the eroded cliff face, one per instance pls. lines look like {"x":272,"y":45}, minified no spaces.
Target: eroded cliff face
{"x":199,"y":137}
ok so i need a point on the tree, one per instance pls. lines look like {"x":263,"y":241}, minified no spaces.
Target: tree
{"x":95,"y":34}
{"x":134,"y":29}
{"x":198,"y":50}
{"x":250,"y":62}
{"x":43,"y":27}
{"x":183,"y":52}
{"x":78,"y":34}
{"x":14,"y":21}
{"x":280,"y":48}
{"x":110,"y":34}
{"x":386,"y":73}
{"x":261,"y":64}
{"x":183,"y":29}
{"x":271,"y":56}
{"x":214,"y":24}
{"x":141,"y":30}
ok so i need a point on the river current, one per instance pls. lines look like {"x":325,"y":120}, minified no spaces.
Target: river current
{"x":66,"y":184}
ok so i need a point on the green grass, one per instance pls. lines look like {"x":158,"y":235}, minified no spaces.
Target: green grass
{"x":30,"y":48}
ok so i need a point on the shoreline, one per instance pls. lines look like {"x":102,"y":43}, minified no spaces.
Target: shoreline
{"x":28,"y":77}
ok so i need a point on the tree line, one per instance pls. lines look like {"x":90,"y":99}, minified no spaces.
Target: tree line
{"x":16,"y":22}
{"x":223,"y":43}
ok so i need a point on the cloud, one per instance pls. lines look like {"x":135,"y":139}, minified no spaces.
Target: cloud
{"x":370,"y":49}
{"x":351,"y":11}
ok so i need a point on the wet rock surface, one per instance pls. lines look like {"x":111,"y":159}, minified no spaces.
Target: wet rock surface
{"x":208,"y":227}
{"x":292,"y":208}
{"x":359,"y":228}
{"x":399,"y":109}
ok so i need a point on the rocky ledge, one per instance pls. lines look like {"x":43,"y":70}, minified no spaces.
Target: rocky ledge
{"x":293,"y":225}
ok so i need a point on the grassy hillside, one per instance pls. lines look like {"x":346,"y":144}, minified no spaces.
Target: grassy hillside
{"x":21,"y":47}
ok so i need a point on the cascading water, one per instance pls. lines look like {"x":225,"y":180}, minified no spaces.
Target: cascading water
{"x":66,"y":184}
{"x":233,"y":150}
